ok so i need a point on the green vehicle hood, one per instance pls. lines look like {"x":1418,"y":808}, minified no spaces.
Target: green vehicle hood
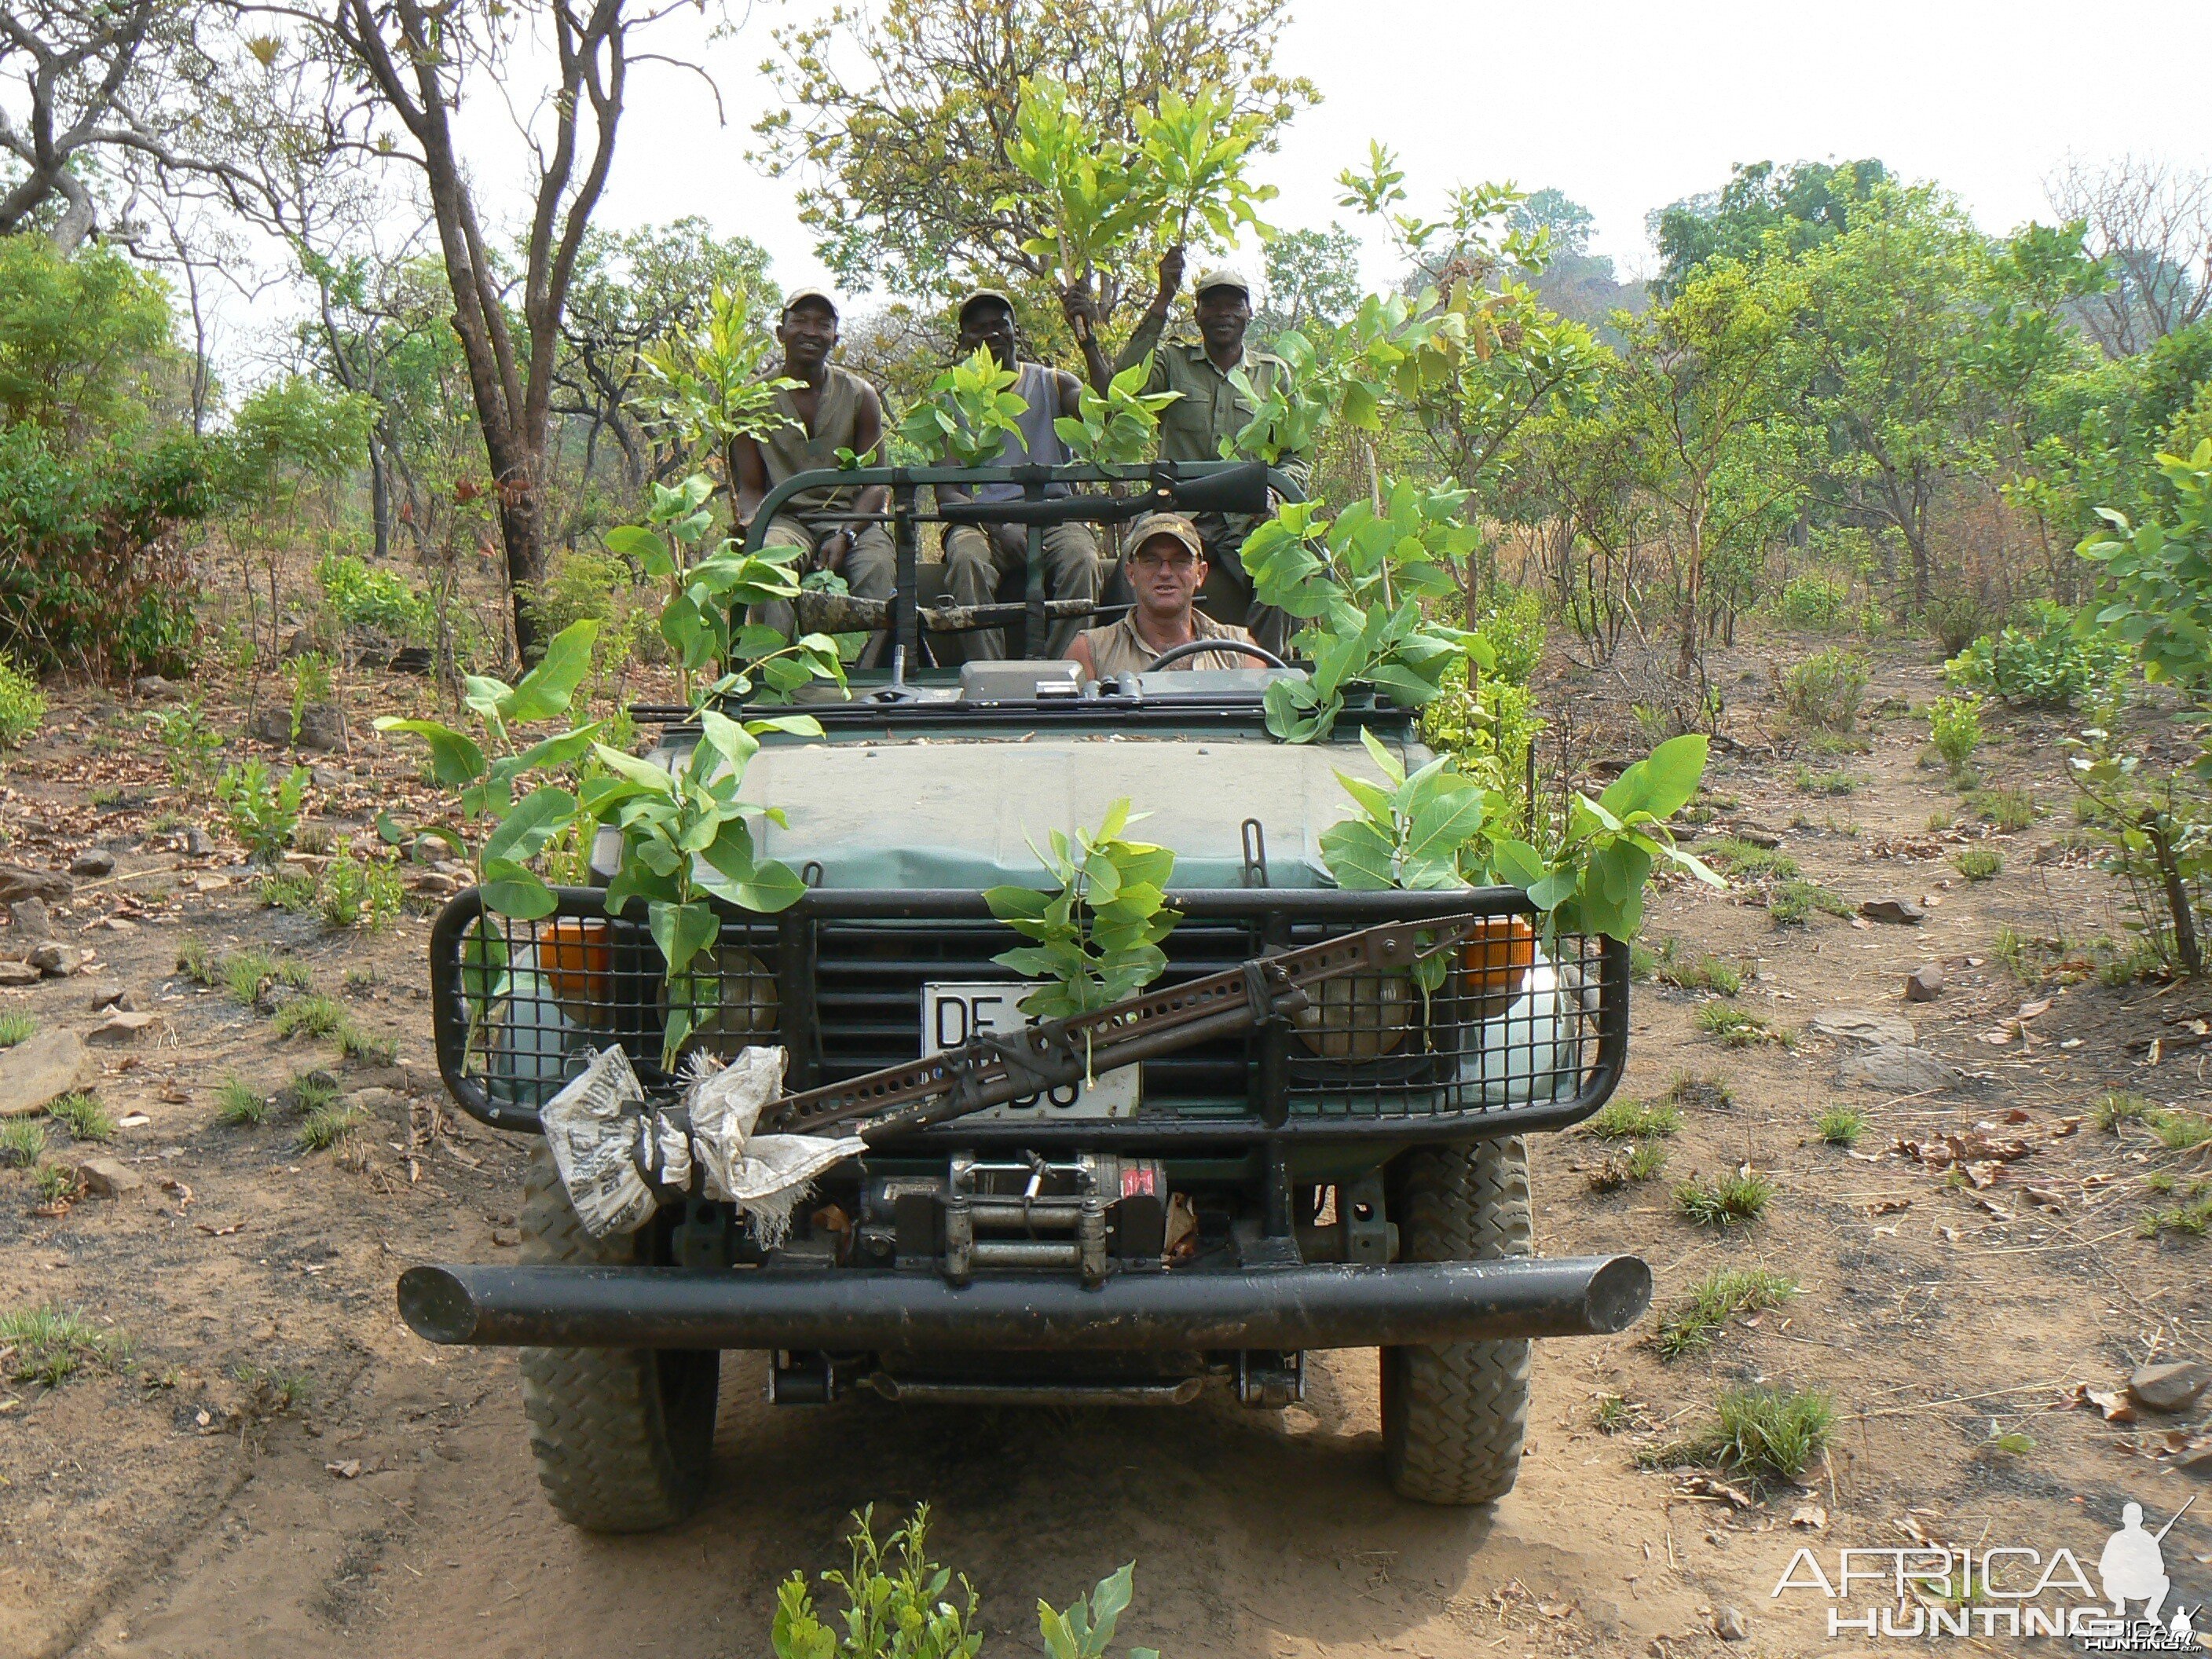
{"x":963,"y":811}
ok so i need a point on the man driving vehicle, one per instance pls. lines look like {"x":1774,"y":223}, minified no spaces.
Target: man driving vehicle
{"x":1166,"y":566}
{"x":830,"y":409}
{"x":1208,"y":411}
{"x":976,"y":556}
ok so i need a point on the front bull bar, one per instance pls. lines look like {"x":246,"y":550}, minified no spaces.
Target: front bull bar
{"x":843,"y":1310}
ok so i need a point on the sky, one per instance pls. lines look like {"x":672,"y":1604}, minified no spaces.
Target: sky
{"x":1625,"y":107}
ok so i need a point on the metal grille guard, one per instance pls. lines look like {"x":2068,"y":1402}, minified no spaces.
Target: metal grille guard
{"x":1291,"y":1091}
{"x":991,"y":1071}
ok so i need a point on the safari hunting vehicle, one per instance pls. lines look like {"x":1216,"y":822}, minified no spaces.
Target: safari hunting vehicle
{"x":1283,"y":1144}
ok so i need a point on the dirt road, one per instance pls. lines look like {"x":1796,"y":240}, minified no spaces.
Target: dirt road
{"x":281,"y":1469}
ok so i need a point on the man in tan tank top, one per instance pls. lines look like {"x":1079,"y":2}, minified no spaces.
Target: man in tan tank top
{"x":1166,"y":566}
{"x":977,"y":556}
{"x":831,"y":408}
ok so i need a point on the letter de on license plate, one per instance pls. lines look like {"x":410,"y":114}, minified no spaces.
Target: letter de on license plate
{"x":954,"y":1011}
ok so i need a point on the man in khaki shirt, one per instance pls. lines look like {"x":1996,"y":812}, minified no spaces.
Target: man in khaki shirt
{"x":1208,"y":413}
{"x":1165,"y":564}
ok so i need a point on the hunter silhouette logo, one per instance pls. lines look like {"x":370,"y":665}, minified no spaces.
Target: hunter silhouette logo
{"x":1993,"y":1590}
{"x":2133,"y":1566}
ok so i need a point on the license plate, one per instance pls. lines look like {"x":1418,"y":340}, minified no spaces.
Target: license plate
{"x":954,"y":1011}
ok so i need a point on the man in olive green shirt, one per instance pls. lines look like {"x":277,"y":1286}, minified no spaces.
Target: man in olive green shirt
{"x":1207,"y":412}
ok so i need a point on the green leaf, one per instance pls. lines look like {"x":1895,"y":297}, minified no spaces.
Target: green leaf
{"x":1358,"y":856}
{"x":635,"y":542}
{"x":1008,"y":904}
{"x":654,"y":778}
{"x":522,"y":835}
{"x":1391,"y":767}
{"x":681,"y":931}
{"x":1662,"y":782}
{"x":484,"y":695}
{"x":455,"y":760}
{"x":771,"y":887}
{"x":1551,"y":890}
{"x":728,"y":738}
{"x":1440,"y":827}
{"x":545,"y":690}
{"x":1515,"y":862}
{"x":565,"y":750}
{"x":511,"y":891}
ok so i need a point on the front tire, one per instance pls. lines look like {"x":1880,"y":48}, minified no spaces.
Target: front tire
{"x":621,"y":1437}
{"x":1455,"y":1416}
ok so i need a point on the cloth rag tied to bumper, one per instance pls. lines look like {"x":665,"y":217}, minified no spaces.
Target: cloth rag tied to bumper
{"x":618,"y":1157}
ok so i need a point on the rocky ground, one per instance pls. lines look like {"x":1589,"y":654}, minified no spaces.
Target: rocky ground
{"x":253,"y":1456}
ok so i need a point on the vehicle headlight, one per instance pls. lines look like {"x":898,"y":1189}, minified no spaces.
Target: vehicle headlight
{"x":736,"y":1000}
{"x":1361,"y":1017}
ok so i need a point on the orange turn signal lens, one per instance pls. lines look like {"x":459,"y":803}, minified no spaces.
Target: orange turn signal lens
{"x":578,"y":964}
{"x":1494,"y":962}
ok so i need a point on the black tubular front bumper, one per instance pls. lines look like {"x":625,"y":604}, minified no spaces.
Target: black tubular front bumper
{"x":852,"y":1310}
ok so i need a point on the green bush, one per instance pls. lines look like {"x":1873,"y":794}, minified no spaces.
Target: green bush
{"x":84,"y":341}
{"x":1515,"y":633}
{"x":188,"y":742}
{"x":1488,"y":732}
{"x":93,"y":575}
{"x":22,"y":705}
{"x":265,"y":813}
{"x":359,"y":597}
{"x":1978,"y":863}
{"x":2052,"y":660}
{"x":1954,"y":726}
{"x":579,"y":584}
{"x":355,"y":893}
{"x":1823,"y":692}
{"x":1815,"y":604}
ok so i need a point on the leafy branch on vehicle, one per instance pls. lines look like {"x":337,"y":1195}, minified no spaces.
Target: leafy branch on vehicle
{"x":1102,"y":193}
{"x":707,"y":597}
{"x":1120,"y":425}
{"x":1594,"y":878}
{"x":672,"y":823}
{"x":707,"y":386}
{"x":1358,"y":580}
{"x":1096,"y":937}
{"x":969,"y":412}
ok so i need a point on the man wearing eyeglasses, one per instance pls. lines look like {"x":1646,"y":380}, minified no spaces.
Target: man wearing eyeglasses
{"x":1165,"y":566}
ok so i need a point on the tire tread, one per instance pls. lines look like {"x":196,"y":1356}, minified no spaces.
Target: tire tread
{"x":1455,"y":1416}
{"x":608,"y":1455}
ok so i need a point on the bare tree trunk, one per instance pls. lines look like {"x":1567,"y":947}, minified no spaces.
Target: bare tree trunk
{"x":417,"y":75}
{"x":1693,"y":583}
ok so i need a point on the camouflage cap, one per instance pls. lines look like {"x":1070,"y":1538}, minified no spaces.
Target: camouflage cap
{"x":977,"y":296}
{"x":1222,"y":276}
{"x":1171,"y":525}
{"x":799,"y":296}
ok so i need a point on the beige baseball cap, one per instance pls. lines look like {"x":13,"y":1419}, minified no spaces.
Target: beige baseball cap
{"x":1172,"y":525}
{"x":799,"y":296}
{"x":1222,"y":276}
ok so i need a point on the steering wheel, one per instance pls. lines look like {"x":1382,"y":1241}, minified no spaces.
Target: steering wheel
{"x":1175,"y":653}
